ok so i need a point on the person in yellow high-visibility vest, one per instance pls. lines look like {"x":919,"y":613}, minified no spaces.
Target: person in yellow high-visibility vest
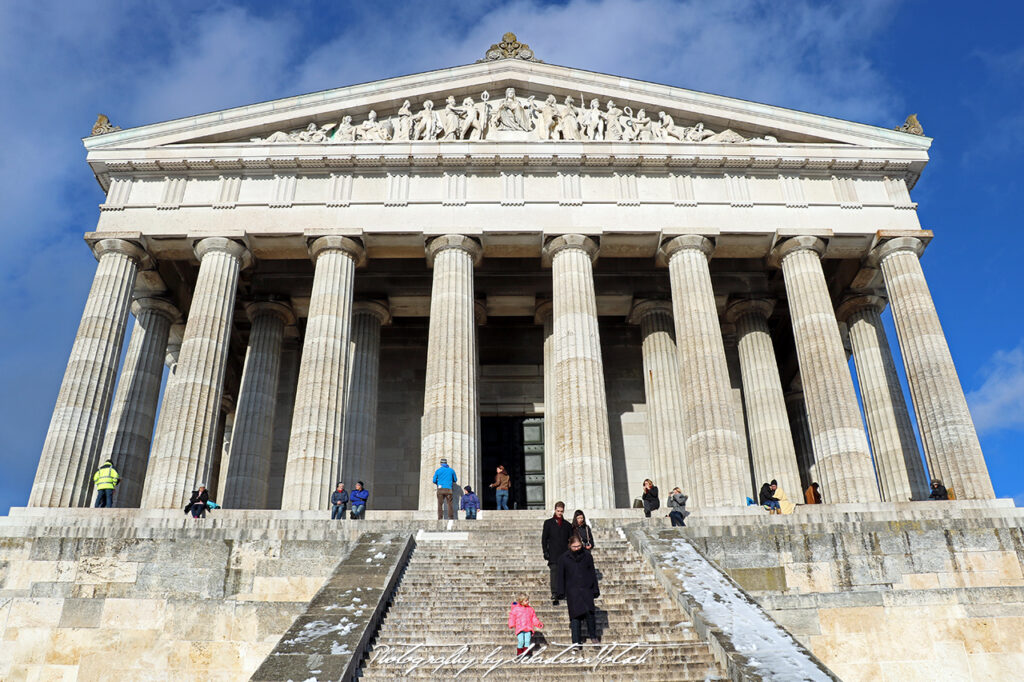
{"x":105,"y":479}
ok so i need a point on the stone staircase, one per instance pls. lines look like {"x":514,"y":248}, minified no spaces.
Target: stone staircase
{"x":449,"y":614}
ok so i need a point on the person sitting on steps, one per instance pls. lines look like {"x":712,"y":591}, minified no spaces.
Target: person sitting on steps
{"x":767,"y":497}
{"x":358,"y":498}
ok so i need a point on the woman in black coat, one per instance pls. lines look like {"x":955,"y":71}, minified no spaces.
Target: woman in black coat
{"x":197,"y":503}
{"x":576,"y":580}
{"x":580,"y":527}
{"x":650,"y":497}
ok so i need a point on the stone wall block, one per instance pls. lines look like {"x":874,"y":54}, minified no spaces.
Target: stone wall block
{"x":318,"y":419}
{"x":72,"y":447}
{"x":950,"y":441}
{"x":714,"y":444}
{"x":843,"y":464}
{"x":186,"y":446}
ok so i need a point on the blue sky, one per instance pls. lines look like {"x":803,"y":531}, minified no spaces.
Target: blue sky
{"x":960,"y":69}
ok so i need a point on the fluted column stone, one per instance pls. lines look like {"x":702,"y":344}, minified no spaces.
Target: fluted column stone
{"x":582,"y":440}
{"x":72,"y":447}
{"x":843,"y":462}
{"x":186,"y":446}
{"x":664,"y":395}
{"x":771,"y":442}
{"x":801,"y":430}
{"x":714,"y":442}
{"x":364,"y":379}
{"x":544,"y":316}
{"x":901,"y":474}
{"x":950,"y":440}
{"x":248,"y":458}
{"x":133,"y":414}
{"x":451,"y":415}
{"x":318,"y":419}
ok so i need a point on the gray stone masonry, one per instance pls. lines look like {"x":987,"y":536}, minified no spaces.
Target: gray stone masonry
{"x":361,"y":403}
{"x":950,"y":441}
{"x":72,"y":446}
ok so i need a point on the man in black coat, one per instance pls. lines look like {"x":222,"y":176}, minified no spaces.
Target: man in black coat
{"x":576,"y":580}
{"x":553,"y":542}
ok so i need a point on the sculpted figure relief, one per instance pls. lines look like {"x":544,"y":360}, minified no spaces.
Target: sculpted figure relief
{"x":546,"y":120}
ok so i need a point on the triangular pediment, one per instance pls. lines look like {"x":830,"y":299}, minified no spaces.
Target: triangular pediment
{"x":539,"y":112}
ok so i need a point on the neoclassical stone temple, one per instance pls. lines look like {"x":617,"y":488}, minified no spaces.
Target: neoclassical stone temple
{"x":590,"y":279}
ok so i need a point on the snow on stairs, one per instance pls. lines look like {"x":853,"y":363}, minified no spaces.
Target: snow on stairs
{"x":452,"y":603}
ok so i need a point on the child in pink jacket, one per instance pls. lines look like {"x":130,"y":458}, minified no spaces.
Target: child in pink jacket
{"x":523,"y":619}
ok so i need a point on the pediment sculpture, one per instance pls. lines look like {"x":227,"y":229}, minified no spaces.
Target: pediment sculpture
{"x":511,"y":118}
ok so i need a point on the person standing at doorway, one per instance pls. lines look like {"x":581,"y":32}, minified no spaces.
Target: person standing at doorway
{"x":554,"y":542}
{"x":501,"y":486}
{"x":445,"y":479}
{"x":105,"y":479}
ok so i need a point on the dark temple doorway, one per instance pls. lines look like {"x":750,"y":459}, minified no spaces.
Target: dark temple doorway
{"x":518,"y":444}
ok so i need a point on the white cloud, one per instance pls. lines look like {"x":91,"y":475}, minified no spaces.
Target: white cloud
{"x":999,"y":402}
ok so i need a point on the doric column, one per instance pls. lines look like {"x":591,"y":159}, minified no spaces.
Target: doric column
{"x":364,"y":378}
{"x":544,"y":316}
{"x":947,"y":431}
{"x":843,"y":463}
{"x":771,"y":442}
{"x":72,"y":446}
{"x":714,"y":443}
{"x":665,"y":429}
{"x":582,"y":441}
{"x":901,"y":474}
{"x":318,"y":419}
{"x":186,"y":443}
{"x":801,"y":430}
{"x":130,"y":428}
{"x":451,"y":415}
{"x":248,"y":459}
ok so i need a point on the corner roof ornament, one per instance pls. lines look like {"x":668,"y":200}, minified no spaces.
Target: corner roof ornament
{"x":102,"y":126}
{"x":911,"y":125}
{"x":509,"y":48}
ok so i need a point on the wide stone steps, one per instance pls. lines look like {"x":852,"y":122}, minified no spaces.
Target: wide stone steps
{"x":456,"y":593}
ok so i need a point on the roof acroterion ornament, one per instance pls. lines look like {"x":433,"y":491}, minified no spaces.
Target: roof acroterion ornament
{"x":509,"y":48}
{"x":911,"y":125}
{"x":103,"y":126}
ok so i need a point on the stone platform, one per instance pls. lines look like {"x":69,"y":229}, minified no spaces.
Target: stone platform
{"x":883,"y":591}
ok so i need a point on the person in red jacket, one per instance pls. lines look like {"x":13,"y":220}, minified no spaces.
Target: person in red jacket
{"x":523,"y":619}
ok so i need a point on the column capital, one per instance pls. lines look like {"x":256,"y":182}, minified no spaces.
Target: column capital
{"x":125,"y":247}
{"x":648,"y":306}
{"x":379,"y":309}
{"x":670,"y":247}
{"x":745,"y":306}
{"x":570,"y":241}
{"x":543,"y":312}
{"x":885,"y":248}
{"x":279,"y":309}
{"x":231,"y":247}
{"x":854,"y":302}
{"x":454,"y":241}
{"x":352,"y":248}
{"x":160,"y":306}
{"x":793,"y":244}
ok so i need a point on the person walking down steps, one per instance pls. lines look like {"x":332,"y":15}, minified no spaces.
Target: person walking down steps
{"x":445,"y":479}
{"x":554,"y":539}
{"x":523,"y":619}
{"x":469,"y":503}
{"x":580,"y":527}
{"x":105,"y":479}
{"x":576,"y":580}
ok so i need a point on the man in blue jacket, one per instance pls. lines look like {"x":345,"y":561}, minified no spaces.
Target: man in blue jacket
{"x":444,"y":479}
